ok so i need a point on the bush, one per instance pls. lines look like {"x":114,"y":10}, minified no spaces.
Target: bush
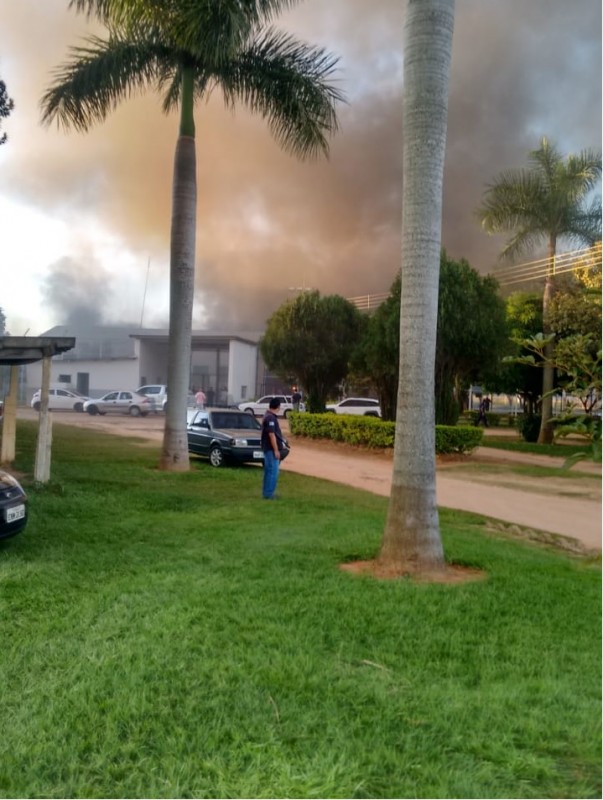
{"x":377,"y":433}
{"x":528,"y":426}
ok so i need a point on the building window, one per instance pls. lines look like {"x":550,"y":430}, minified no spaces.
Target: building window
{"x":64,"y":379}
{"x":243,"y":393}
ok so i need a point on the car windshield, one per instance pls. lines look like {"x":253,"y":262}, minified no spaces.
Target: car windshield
{"x":242,"y":421}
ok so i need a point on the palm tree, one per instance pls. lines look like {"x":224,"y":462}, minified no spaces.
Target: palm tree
{"x":185,"y":49}
{"x":411,"y":540}
{"x":548,"y":201}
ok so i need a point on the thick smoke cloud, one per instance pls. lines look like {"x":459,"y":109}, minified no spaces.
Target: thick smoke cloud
{"x":268,"y":224}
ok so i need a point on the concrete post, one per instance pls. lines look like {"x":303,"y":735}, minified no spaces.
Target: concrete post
{"x":44,"y":448}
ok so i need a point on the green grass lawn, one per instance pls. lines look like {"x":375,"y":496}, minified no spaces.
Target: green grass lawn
{"x":176,"y":636}
{"x":562,"y":449}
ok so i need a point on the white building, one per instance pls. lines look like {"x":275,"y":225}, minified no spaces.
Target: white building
{"x":228,"y":367}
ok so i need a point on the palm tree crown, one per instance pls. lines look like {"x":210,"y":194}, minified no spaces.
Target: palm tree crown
{"x":547,"y":200}
{"x":275,"y":75}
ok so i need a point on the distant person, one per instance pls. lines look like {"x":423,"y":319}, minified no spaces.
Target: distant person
{"x":271,"y":443}
{"x":200,"y":399}
{"x":296,"y":399}
{"x":484,"y":407}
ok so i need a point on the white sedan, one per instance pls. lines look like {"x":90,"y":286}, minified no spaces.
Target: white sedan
{"x":259,"y":407}
{"x":60,"y":399}
{"x":360,"y":406}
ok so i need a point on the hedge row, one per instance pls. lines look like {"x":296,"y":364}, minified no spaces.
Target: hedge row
{"x":373,"y":432}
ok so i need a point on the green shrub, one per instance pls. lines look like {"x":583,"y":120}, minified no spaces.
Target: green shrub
{"x":528,"y":426}
{"x":376,"y":433}
{"x":495,"y":419}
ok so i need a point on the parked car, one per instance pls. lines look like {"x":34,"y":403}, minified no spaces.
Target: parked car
{"x":259,"y":407}
{"x":224,"y":435}
{"x":121,"y":402}
{"x":361,"y":406}
{"x":63,"y":399}
{"x":13,"y":505}
{"x":157,"y":394}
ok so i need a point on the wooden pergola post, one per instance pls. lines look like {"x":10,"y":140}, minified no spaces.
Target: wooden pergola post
{"x":9,"y":425}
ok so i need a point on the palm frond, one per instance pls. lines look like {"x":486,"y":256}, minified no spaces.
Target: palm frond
{"x":98,"y":76}
{"x":287,"y":83}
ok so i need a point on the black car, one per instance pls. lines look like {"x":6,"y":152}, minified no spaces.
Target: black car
{"x":13,"y":506}
{"x":225,"y":435}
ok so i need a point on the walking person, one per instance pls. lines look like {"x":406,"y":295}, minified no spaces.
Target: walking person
{"x":271,"y":443}
{"x":296,"y":398}
{"x":484,"y":406}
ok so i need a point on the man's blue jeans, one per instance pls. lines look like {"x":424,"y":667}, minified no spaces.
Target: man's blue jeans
{"x":271,"y":467}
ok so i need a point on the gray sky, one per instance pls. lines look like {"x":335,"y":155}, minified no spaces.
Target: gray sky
{"x":86,"y":216}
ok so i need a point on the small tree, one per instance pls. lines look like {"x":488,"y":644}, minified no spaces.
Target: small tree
{"x":312,"y":338}
{"x":7,"y":104}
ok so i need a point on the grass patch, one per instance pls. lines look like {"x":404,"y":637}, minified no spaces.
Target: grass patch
{"x":176,"y":636}
{"x":519,"y":446}
{"x":522,"y":470}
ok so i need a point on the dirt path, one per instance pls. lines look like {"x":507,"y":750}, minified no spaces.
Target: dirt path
{"x":481,"y":483}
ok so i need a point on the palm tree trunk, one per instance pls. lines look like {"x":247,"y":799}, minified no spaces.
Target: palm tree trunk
{"x":411,"y":540}
{"x":174,"y":455}
{"x":545,"y":435}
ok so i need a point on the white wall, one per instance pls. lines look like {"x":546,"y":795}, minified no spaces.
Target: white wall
{"x":153,"y":362}
{"x":242,"y":365}
{"x":104,"y":375}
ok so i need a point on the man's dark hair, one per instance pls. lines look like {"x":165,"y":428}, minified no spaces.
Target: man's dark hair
{"x":274,"y":403}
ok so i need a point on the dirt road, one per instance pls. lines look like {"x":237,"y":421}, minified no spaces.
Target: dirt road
{"x":481,"y":483}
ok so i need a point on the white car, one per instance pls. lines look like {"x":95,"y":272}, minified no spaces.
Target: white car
{"x":63,"y":399}
{"x":360,"y":406}
{"x":259,"y":407}
{"x":157,"y":394}
{"x":120,"y":402}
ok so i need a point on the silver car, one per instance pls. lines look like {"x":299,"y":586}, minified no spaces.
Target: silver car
{"x":120,"y":402}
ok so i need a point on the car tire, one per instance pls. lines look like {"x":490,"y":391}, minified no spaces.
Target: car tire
{"x":134,"y":411}
{"x":78,"y":407}
{"x":371,"y":414}
{"x":285,"y":413}
{"x":36,"y":406}
{"x":93,"y":410}
{"x":250,"y":411}
{"x":216,"y":456}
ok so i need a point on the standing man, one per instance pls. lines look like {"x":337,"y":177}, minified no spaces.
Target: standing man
{"x":200,"y":398}
{"x":271,"y":439}
{"x":296,"y":398}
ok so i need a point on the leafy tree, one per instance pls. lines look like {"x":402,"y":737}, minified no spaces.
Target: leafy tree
{"x":185,"y":49}
{"x":578,"y":358}
{"x":472,"y":334}
{"x":312,"y":338}
{"x":7,"y":104}
{"x":411,"y":540}
{"x":378,"y":352}
{"x":524,"y":321}
{"x":548,"y":201}
{"x":471,"y":337}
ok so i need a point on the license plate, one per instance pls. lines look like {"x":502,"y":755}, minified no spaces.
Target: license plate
{"x":15,"y":513}
{"x":258,"y":454}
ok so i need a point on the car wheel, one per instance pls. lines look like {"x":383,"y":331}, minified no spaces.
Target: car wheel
{"x":93,"y":410}
{"x":134,"y":411}
{"x":371,"y":414}
{"x":250,"y":411}
{"x":216,"y":456}
{"x":78,"y":407}
{"x":286,"y":413}
{"x":36,"y":406}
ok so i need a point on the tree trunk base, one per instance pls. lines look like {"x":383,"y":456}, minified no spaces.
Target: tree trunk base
{"x":387,"y":571}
